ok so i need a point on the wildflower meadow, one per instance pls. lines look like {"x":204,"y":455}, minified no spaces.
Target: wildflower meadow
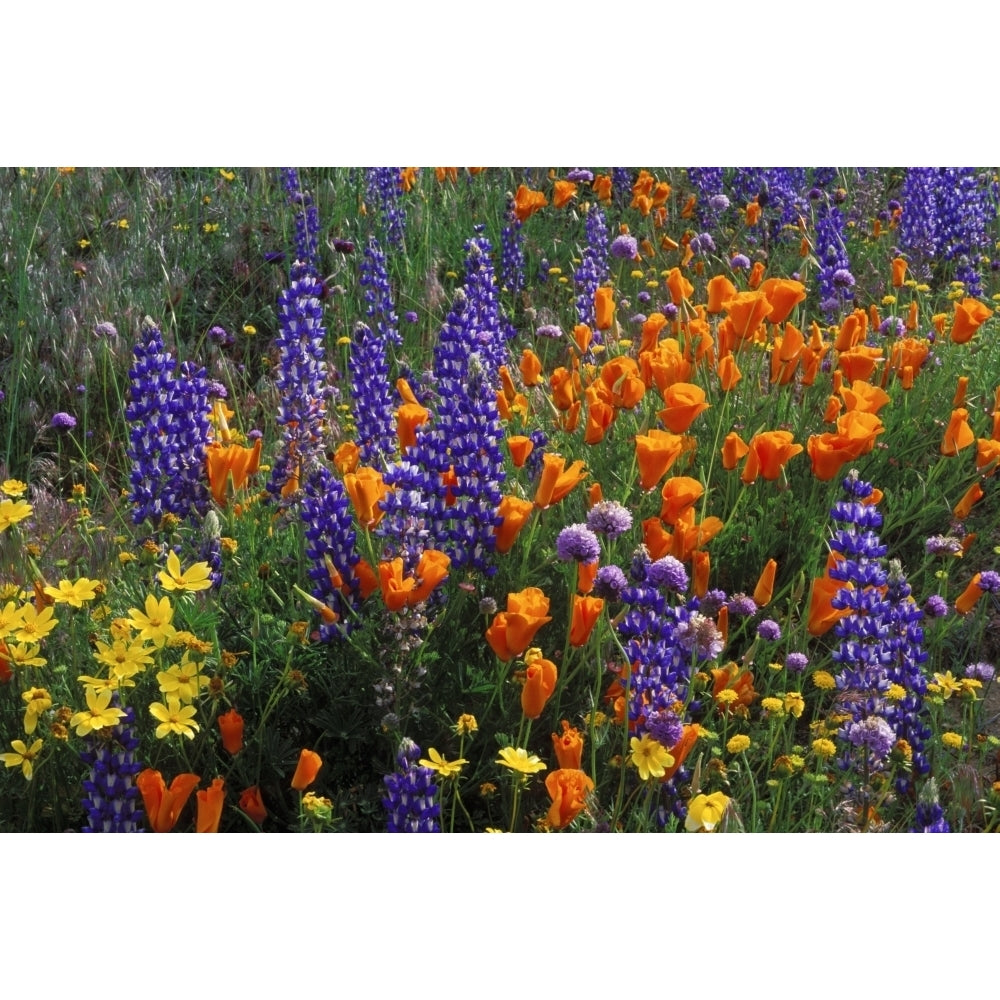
{"x":468,"y":500}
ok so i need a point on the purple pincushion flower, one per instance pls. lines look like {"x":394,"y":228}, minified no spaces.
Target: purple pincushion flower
{"x":796,"y":662}
{"x":742,"y":606}
{"x":610,"y":582}
{"x":769,"y":630}
{"x":667,"y":572}
{"x":739,"y":262}
{"x":63,"y":421}
{"x":624,"y":247}
{"x":580,"y":175}
{"x":873,"y":732}
{"x":935,"y":606}
{"x":711,"y":604}
{"x":550,"y":331}
{"x":608,"y":517}
{"x":980,"y":671}
{"x":577,"y":541}
{"x":989,"y":581}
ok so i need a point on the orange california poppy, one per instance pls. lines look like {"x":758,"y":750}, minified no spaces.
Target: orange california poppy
{"x":442,"y":174}
{"x":864,"y":397}
{"x":210,"y":802}
{"x":562,"y":193}
{"x":513,"y":630}
{"x":690,"y":535}
{"x":680,"y":750}
{"x":655,"y":453}
{"x":231,"y":727}
{"x":253,"y":805}
{"x":822,"y":614}
{"x":852,"y":331}
{"x":306,"y":770}
{"x":769,"y":452}
{"x":970,"y":314}
{"x":963,"y":508}
{"x":684,"y":401}
{"x":527,"y":202}
{"x":586,"y":574}
{"x":568,"y":747}
{"x":514,"y":513}
{"x":720,"y":290}
{"x":651,"y":328}
{"x":540,"y":676}
{"x":739,"y":680}
{"x":366,"y":489}
{"x":756,"y":274}
{"x":366,"y":577}
{"x":556,"y":481}
{"x":163,"y":806}
{"x":729,"y":373}
{"x":604,"y":307}
{"x":602,"y":187}
{"x":230,"y":461}
{"x":530,"y":367}
{"x":565,"y":385}
{"x":680,"y":288}
{"x":409,"y":417}
{"x":834,"y":405}
{"x":898,"y":272}
{"x":746,"y":312}
{"x":960,"y":390}
{"x":764,"y":590}
{"x":586,"y":611}
{"x":680,"y":494}
{"x":859,"y":362}
{"x":734,"y":448}
{"x":520,"y":448}
{"x":967,"y":600}
{"x":664,"y":365}
{"x":347,"y":458}
{"x":701,"y":565}
{"x":784,"y":294}
{"x":621,"y":378}
{"x":958,"y":434}
{"x":568,"y":788}
{"x":507,"y":384}
{"x":600,"y":416}
{"x":787,"y":349}
{"x":987,"y":453}
{"x":753,"y":213}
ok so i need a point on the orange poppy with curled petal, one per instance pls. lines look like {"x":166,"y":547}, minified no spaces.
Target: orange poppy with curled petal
{"x":963,"y":508}
{"x":680,"y":750}
{"x":684,"y":401}
{"x":562,"y":193}
{"x":970,"y":314}
{"x":568,"y":788}
{"x":665,"y":364}
{"x":366,"y":488}
{"x":822,"y":614}
{"x":784,"y":294}
{"x":623,"y":382}
{"x":569,"y":746}
{"x":586,"y":611}
{"x":527,"y":202}
{"x":515,"y":512}
{"x":409,"y":417}
{"x":958,"y":434}
{"x":747,"y":310}
{"x":733,"y":449}
{"x":602,"y":187}
{"x":764,"y":590}
{"x":967,"y":600}
{"x":729,"y":373}
{"x":513,"y":630}
{"x":769,"y":452}
{"x":680,"y":288}
{"x":655,"y":452}
{"x":530,"y":367}
{"x":987,"y":453}
{"x":306,"y":770}
{"x":252,"y":804}
{"x":898,"y":272}
{"x":163,"y":806}
{"x":859,"y":362}
{"x":520,"y":448}
{"x":233,"y":460}
{"x":231,"y":728}
{"x":556,"y":481}
{"x":210,"y":803}
{"x":565,"y":385}
{"x":604,"y":307}
{"x":600,"y":416}
{"x":720,"y":290}
{"x":864,"y":397}
{"x":680,"y":494}
{"x":756,"y":274}
{"x":701,"y":566}
{"x":787,"y":351}
{"x":735,"y":678}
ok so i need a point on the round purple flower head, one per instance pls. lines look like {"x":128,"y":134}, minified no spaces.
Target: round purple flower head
{"x":742,"y":606}
{"x":980,"y":672}
{"x":873,"y":732}
{"x":935,"y":606}
{"x":580,"y":175}
{"x":989,"y":581}
{"x":664,"y":727}
{"x":739,"y":262}
{"x":63,"y":421}
{"x":577,"y":541}
{"x":892,"y":326}
{"x":796,"y":662}
{"x":669,"y":310}
{"x":220,"y":336}
{"x":624,"y":247}
{"x":942,"y":545}
{"x":608,"y":517}
{"x":609,"y":582}
{"x":550,"y":331}
{"x":718,"y":202}
{"x":711,"y":603}
{"x":410,"y":317}
{"x":667,"y":572}
{"x":769,"y":630}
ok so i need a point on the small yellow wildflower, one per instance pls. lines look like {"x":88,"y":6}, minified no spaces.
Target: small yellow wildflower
{"x":824,"y":747}
{"x":953,"y":741}
{"x":705,"y":812}
{"x":155,"y":625}
{"x":173,"y":718}
{"x":36,"y":700}
{"x":519,"y":761}
{"x":795,"y":704}
{"x":444,"y":768}
{"x":22,"y":757}
{"x":227,"y":175}
{"x":650,"y":757}
{"x":210,"y":227}
{"x":738,"y":743}
{"x":947,"y":684}
{"x":773,"y":706}
{"x":13,"y":488}
{"x":34,"y":625}
{"x":896,"y":692}
{"x":74,"y":593}
{"x":98,"y":715}
{"x":123,"y":223}
{"x":196,"y":577}
{"x":20,"y":655}
{"x":13,"y":511}
{"x":466,"y":725}
{"x":249,"y":329}
{"x":824,"y":680}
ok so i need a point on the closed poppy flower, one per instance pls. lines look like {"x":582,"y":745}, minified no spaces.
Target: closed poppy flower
{"x":680,"y":494}
{"x":530,"y":367}
{"x":432,"y":570}
{"x":967,"y":600}
{"x":306,"y":770}
{"x":729,"y":373}
{"x":786,"y":351}
{"x":720,"y":290}
{"x":970,"y":314}
{"x":604,"y":307}
{"x":958,"y":434}
{"x":556,"y":480}
{"x":655,"y":453}
{"x":623,"y":381}
{"x":834,"y":404}
{"x":684,"y":401}
{"x":565,"y":386}
{"x":960,"y":390}
{"x":514,"y":513}
{"x":701,"y":565}
{"x":690,"y":535}
{"x":540,"y":676}
{"x":568,"y":789}
{"x":769,"y":452}
{"x":586,"y":574}
{"x":734,"y":448}
{"x":520,"y":448}
{"x":366,"y":488}
{"x":231,"y":727}
{"x":746,"y":311}
{"x":562,"y":193}
{"x":602,"y":187}
{"x":651,"y":328}
{"x":347,"y":458}
{"x":210,"y":803}
{"x":822,"y":614}
{"x":753,"y":213}
{"x":656,"y":538}
{"x":680,"y":288}
{"x":586,"y":611}
{"x":898,"y":272}
{"x":409,"y":417}
{"x":734,"y":678}
{"x":987,"y":454}
{"x":568,"y":747}
{"x":230,"y":462}
{"x":756,"y":274}
{"x":963,"y":508}
{"x":764,"y":590}
{"x":664,"y":365}
{"x":253,"y":805}
{"x":852,"y":332}
{"x":366,"y":577}
{"x":513,"y":630}
{"x":163,"y":806}
{"x":784,"y":294}
{"x":527,"y":202}
{"x":600,"y":416}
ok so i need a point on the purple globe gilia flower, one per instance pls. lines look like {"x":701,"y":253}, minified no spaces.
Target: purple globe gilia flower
{"x":718,"y":202}
{"x":577,"y":541}
{"x":873,"y":732}
{"x":796,"y":662}
{"x":608,"y":517}
{"x":410,"y":317}
{"x":624,"y":247}
{"x":980,"y":671}
{"x":739,"y":262}
{"x":769,"y":630}
{"x":989,"y":581}
{"x":107,"y":330}
{"x":610,"y":582}
{"x":664,"y":727}
{"x":699,"y":634}
{"x":742,"y":606}
{"x":943,"y":545}
{"x":935,"y":606}
{"x":667,"y":572}
{"x":711,"y":604}
{"x":63,"y":421}
{"x":550,"y":331}
{"x":580,"y":175}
